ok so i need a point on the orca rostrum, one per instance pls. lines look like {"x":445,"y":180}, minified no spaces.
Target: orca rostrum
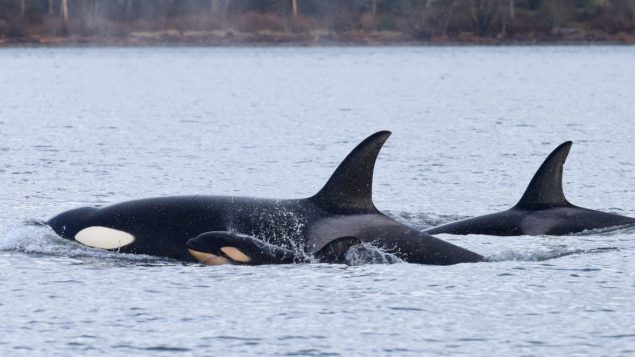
{"x":542,"y":210}
{"x":226,"y":229}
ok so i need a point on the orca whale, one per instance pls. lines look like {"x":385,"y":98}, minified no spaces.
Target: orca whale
{"x":542,"y":210}
{"x":224,"y":229}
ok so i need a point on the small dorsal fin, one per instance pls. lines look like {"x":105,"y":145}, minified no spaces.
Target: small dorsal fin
{"x":350,"y":188}
{"x":545,"y":189}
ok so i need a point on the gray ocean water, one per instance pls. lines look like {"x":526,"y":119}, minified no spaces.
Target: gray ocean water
{"x":84,"y":126}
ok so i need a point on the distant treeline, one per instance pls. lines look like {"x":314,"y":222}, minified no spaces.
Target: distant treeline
{"x":316,"y":20}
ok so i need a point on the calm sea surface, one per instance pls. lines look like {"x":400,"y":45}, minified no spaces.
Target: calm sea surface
{"x":470,"y":127}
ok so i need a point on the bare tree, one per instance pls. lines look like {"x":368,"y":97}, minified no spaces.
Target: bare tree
{"x":294,"y":8}
{"x":436,"y":17}
{"x":65,"y":10}
{"x":219,"y":7}
{"x":127,"y":9}
{"x":484,"y":14}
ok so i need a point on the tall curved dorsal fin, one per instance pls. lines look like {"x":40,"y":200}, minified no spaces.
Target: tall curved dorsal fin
{"x":545,"y":189}
{"x":350,"y":188}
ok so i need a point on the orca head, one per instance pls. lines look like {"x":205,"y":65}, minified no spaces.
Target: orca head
{"x":67,"y":224}
{"x":217,"y":248}
{"x":81,"y":225}
{"x":222,"y":247}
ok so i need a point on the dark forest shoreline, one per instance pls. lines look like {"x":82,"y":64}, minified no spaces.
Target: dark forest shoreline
{"x":318,"y":39}
{"x":315,"y":22}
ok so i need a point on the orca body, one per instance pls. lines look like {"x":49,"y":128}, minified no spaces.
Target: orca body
{"x":221,"y":229}
{"x":543,"y":209}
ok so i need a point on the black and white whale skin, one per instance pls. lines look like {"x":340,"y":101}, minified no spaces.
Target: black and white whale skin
{"x":543,"y":209}
{"x":222,"y":229}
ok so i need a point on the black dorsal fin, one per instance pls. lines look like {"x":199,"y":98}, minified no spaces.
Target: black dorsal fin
{"x":545,"y":189}
{"x":350,"y":188}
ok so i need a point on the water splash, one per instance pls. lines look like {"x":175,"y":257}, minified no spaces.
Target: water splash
{"x":544,"y":254}
{"x":367,"y":254}
{"x":36,"y":238}
{"x":422,"y":220}
{"x":609,"y":231}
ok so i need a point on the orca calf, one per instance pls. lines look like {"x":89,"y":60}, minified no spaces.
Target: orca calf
{"x":542,"y":210}
{"x":223,"y":229}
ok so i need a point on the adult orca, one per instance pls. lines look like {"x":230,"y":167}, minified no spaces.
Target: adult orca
{"x":223,"y":229}
{"x":542,"y":210}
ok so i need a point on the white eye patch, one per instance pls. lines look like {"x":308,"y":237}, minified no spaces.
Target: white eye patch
{"x":104,"y":237}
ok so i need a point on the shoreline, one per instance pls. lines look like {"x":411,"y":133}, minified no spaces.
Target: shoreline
{"x":314,"y":39}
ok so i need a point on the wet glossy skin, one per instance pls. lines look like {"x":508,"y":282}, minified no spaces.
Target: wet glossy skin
{"x":342,"y":209}
{"x":162,"y":227}
{"x":542,"y":210}
{"x":550,"y":221}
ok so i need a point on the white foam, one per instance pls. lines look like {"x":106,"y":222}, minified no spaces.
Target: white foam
{"x":544,"y":254}
{"x":367,"y":254}
{"x":40,"y":239}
